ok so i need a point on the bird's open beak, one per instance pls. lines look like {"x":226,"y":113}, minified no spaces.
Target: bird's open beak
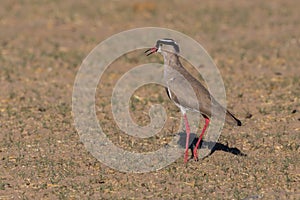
{"x":151,"y":51}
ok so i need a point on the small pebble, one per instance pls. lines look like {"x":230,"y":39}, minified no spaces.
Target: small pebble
{"x":248,"y":115}
{"x":278,"y":73}
{"x":41,"y":109}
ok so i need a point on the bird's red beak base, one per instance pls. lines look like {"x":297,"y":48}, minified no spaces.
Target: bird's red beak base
{"x":151,"y":51}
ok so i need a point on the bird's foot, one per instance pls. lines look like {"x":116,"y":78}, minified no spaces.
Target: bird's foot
{"x":186,"y":156}
{"x":195,"y":153}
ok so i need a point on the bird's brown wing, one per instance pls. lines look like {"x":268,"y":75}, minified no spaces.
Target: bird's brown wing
{"x":203,"y":101}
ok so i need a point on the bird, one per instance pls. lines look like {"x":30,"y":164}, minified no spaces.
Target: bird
{"x":175,"y":76}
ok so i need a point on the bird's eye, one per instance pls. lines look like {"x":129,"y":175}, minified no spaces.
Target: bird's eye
{"x":160,"y":45}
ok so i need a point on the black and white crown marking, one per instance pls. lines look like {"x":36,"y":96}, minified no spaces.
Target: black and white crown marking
{"x":167,"y":41}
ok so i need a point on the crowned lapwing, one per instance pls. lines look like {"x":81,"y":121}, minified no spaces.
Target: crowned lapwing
{"x":174,"y":75}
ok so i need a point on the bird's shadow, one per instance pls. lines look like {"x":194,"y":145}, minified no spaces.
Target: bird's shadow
{"x":214,"y":146}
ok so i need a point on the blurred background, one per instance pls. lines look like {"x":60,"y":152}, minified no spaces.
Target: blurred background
{"x":256,"y":46}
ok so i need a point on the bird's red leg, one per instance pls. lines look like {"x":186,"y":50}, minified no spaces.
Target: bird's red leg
{"x":188,"y":131}
{"x":200,"y":138}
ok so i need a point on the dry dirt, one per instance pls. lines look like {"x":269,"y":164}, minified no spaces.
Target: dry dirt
{"x":256,"y":46}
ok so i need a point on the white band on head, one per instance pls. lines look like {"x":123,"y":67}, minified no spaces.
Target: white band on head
{"x":167,"y":41}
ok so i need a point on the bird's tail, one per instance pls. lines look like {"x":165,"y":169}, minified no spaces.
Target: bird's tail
{"x":231,"y":119}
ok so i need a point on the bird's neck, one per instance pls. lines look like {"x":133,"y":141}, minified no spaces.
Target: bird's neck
{"x":172,"y":65}
{"x":170,"y":58}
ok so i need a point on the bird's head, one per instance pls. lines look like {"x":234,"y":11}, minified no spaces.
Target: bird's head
{"x":164,"y":45}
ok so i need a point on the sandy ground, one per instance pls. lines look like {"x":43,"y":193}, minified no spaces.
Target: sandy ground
{"x":256,"y":47}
